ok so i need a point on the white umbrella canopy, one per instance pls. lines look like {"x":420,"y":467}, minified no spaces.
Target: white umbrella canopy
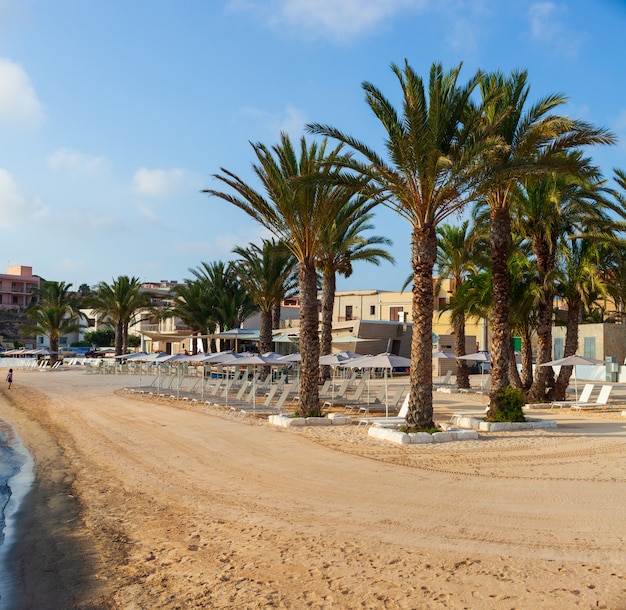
{"x":572,"y":361}
{"x":338,"y":359}
{"x":478,"y":357}
{"x":380,"y":361}
{"x":443,"y":355}
{"x":295,"y":357}
{"x":135,"y":356}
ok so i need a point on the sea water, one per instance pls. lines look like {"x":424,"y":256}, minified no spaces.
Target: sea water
{"x":16,"y":479}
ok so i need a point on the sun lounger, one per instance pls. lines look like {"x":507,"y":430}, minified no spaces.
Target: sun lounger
{"x":584,"y":397}
{"x":389,"y":421}
{"x":394,"y":404}
{"x":602,"y":400}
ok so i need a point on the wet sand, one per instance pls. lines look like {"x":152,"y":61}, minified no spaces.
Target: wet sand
{"x":145,"y":504}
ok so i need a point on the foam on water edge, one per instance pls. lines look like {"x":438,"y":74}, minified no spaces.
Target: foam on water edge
{"x":18,"y":470}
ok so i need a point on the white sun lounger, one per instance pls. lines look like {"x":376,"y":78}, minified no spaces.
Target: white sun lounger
{"x":601,"y":401}
{"x":389,"y":421}
{"x":584,"y":397}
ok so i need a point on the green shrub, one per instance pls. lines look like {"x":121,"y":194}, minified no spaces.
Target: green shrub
{"x":508,"y":404}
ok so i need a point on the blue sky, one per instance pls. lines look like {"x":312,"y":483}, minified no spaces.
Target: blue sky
{"x":115,"y":114}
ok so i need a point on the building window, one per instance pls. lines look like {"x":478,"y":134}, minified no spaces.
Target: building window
{"x":441,"y":302}
{"x":15,"y":301}
{"x":589,"y":347}
{"x":348,"y":312}
{"x":372,"y":310}
{"x":559,"y":348}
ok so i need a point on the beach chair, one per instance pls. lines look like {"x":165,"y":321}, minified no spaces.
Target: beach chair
{"x":394,"y":404}
{"x":584,"y":397}
{"x":446,"y":380}
{"x":601,"y":401}
{"x":389,"y":421}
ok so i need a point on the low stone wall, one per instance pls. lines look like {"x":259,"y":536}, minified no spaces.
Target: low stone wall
{"x":478,"y":423}
{"x":286,"y":421}
{"x":416,"y":438}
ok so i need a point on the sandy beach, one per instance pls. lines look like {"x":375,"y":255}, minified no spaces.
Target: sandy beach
{"x":141,"y":504}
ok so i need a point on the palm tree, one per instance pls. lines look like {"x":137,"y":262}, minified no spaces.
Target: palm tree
{"x":300,"y":196}
{"x":268,"y":274}
{"x":344,"y":243}
{"x":230,"y":304}
{"x":192,"y":305}
{"x":579,"y":282}
{"x":460,"y":252}
{"x":533,"y":140}
{"x":119,"y":302}
{"x":54,"y":314}
{"x":546,"y":211}
{"x":434,"y":153}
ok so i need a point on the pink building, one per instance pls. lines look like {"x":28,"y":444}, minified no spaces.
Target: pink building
{"x":17,"y":286}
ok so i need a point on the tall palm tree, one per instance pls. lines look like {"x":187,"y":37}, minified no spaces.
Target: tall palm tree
{"x":192,"y":304}
{"x":546,"y":211}
{"x":268,"y":273}
{"x":229,"y":302}
{"x":579,"y":282}
{"x":434,"y":146}
{"x":119,"y":302}
{"x":345,"y":242}
{"x":534,"y":139}
{"x":54,"y":314}
{"x":460,"y":251}
{"x":299,"y":196}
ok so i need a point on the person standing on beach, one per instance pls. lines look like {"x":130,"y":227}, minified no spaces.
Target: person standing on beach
{"x":10,"y":378}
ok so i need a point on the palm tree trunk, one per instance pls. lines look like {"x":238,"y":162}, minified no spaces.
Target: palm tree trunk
{"x":119,"y":331}
{"x":309,"y":340}
{"x":54,"y":349}
{"x":462,"y":370}
{"x":571,"y":345}
{"x":514,"y":376}
{"x":527,"y":360}
{"x":265,"y":332}
{"x":424,"y":255}
{"x":125,"y":339}
{"x":544,"y":375}
{"x":328,"y":303}
{"x":276,"y":315}
{"x":500,"y":240}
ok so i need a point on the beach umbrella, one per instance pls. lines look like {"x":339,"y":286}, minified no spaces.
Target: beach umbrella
{"x":384,"y":361}
{"x":295,"y":357}
{"x":478,"y":357}
{"x":572,"y":361}
{"x":335,"y":360}
{"x":443,"y":355}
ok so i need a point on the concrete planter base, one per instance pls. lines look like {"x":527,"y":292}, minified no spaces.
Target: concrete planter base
{"x":286,"y":421}
{"x":418,"y":438}
{"x":477,"y":423}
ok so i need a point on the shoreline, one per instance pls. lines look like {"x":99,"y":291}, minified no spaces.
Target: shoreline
{"x":142,"y":504}
{"x":49,"y":556}
{"x":20,"y":485}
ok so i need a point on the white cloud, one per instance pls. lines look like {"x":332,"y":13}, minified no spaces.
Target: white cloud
{"x":78,"y":162}
{"x":163,"y":182}
{"x":16,"y":209}
{"x":337,"y":19}
{"x":547,"y":29}
{"x":18,"y":99}
{"x":290,"y":120}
